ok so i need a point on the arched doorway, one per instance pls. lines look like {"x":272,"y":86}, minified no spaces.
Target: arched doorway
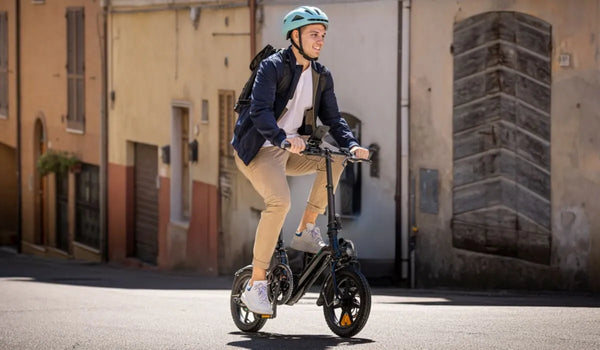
{"x":40,"y":186}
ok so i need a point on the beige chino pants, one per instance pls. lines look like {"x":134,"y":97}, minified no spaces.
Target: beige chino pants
{"x":267,"y":173}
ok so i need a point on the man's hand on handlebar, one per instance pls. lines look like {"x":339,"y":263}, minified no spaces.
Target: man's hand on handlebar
{"x":360,"y":152}
{"x":295,"y":144}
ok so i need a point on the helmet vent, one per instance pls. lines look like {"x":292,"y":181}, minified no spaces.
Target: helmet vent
{"x":297,"y":18}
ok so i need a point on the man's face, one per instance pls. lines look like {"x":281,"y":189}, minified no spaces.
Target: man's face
{"x":313,"y":39}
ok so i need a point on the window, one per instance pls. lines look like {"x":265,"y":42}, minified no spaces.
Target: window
{"x":204,"y":111}
{"x":226,"y":122}
{"x":87,"y":206}
{"x":3,"y":64}
{"x":350,"y":180}
{"x":75,"y":69}
{"x":348,"y":197}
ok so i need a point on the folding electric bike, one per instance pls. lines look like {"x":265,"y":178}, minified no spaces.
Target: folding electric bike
{"x":345,"y":294}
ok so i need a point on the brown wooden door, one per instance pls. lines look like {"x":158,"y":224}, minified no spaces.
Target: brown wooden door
{"x":146,"y":203}
{"x":62,"y":212}
{"x":39,"y":186}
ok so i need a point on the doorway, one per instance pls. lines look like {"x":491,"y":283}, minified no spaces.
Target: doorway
{"x":146,"y":202}
{"x":39,"y":185}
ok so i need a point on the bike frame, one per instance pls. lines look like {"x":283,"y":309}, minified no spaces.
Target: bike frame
{"x":327,"y":257}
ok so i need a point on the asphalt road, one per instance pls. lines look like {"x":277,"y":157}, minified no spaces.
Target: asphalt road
{"x":52,"y":304}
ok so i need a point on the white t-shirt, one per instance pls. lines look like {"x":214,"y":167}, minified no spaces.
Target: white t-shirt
{"x":300,"y":102}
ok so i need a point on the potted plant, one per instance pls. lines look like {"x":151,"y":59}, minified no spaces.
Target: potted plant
{"x":57,"y":162}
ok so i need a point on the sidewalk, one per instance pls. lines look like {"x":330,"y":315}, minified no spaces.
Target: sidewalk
{"x":73,"y":272}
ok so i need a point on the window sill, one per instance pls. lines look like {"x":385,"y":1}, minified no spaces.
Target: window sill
{"x":182,"y":224}
{"x":75,"y":131}
{"x":86,"y":247}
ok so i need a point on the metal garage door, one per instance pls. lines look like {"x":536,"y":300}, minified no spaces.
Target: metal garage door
{"x":146,"y":202}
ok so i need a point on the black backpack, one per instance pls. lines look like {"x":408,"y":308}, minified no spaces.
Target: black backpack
{"x":243,"y":100}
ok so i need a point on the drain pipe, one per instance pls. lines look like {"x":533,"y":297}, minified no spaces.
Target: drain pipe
{"x":404,"y":138}
{"x":18,"y":110}
{"x":104,"y":136}
{"x":252,"y":28}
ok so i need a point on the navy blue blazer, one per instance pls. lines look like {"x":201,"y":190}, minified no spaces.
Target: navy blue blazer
{"x":269,"y":98}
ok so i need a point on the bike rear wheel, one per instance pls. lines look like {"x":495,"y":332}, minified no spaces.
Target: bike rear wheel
{"x":244,"y":319}
{"x":347,"y":314}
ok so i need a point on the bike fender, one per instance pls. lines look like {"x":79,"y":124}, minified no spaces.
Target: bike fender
{"x":243,"y":269}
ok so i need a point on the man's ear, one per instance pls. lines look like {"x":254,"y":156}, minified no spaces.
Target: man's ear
{"x":296,"y":34}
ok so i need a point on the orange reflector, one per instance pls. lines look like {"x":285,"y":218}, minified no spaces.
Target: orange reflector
{"x":346,"y":320}
{"x":266,"y":316}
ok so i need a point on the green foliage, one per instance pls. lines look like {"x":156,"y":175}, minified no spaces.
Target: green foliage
{"x":56,"y":162}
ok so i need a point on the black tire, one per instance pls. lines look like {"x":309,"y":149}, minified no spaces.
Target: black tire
{"x":347,"y":315}
{"x":244,"y":319}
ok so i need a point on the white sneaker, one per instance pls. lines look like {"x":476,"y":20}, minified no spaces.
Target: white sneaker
{"x":309,"y":240}
{"x":256,"y":299}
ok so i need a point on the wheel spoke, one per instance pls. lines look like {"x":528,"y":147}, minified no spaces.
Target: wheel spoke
{"x":246,"y":317}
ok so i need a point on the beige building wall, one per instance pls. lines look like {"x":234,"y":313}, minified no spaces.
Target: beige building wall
{"x":575,"y":161}
{"x":157,"y":59}
{"x":8,"y":123}
{"x":8,"y":138}
{"x":364,"y":66}
{"x":44,"y":100}
{"x":161,"y":58}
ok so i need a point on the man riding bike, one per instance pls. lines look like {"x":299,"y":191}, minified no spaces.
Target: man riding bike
{"x":280,"y":118}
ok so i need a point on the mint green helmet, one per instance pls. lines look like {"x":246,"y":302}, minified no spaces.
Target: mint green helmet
{"x":302,"y":16}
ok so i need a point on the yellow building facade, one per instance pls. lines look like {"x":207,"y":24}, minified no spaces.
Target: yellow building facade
{"x":175,"y":70}
{"x":8,"y":124}
{"x":61,"y":82}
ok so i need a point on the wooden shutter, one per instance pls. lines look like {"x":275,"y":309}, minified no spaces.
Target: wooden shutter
{"x":502,"y":193}
{"x":4,"y":64}
{"x":75,"y":68}
{"x":226,"y":122}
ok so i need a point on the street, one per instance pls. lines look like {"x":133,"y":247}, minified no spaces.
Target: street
{"x":55,"y":304}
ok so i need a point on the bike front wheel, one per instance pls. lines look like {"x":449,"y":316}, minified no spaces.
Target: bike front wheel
{"x":347,"y":313}
{"x":244,"y":319}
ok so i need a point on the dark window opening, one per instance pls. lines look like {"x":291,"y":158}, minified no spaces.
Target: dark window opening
{"x":348,"y":195}
{"x":87,"y":206}
{"x":62,"y":211}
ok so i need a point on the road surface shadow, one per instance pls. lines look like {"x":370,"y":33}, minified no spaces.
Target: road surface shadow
{"x":71,"y":272}
{"x":264,"y":340}
{"x":519,"y":298}
{"x":20,"y":267}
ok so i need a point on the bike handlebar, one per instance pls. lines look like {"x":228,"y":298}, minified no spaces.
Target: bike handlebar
{"x":322,"y":152}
